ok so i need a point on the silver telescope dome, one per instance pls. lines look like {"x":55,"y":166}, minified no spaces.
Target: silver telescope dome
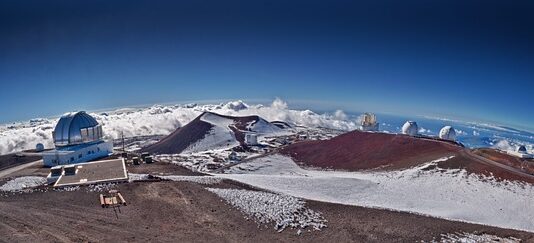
{"x":76,"y":128}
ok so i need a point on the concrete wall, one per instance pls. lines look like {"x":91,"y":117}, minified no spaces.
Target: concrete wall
{"x":84,"y":154}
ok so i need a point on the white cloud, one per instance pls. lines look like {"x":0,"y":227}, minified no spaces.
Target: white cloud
{"x":340,"y":115}
{"x":503,"y":145}
{"x":163,"y":120}
{"x":424,"y":130}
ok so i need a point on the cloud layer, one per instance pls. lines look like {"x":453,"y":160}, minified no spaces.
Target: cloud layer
{"x":162,"y":120}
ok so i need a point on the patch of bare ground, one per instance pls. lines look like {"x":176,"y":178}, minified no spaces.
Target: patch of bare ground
{"x":357,"y":150}
{"x":161,"y":168}
{"x":472,"y":165}
{"x":526,"y":165}
{"x":14,"y":159}
{"x":187,"y":212}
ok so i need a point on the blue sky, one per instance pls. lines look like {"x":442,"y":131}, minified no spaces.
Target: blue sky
{"x":461,"y":59}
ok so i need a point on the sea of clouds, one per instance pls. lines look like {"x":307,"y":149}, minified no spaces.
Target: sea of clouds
{"x":162,"y":120}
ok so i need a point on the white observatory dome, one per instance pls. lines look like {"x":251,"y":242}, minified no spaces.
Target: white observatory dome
{"x":39,"y":147}
{"x":410,"y":128}
{"x":521,"y":149}
{"x":447,"y":133}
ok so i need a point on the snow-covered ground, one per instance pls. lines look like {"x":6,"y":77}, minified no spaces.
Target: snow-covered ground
{"x":450,"y":194}
{"x":22,"y":183}
{"x":220,"y":136}
{"x":473,"y":238}
{"x":264,"y":207}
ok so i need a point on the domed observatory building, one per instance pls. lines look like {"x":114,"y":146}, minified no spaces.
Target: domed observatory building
{"x":77,"y":138}
{"x":410,"y":128}
{"x":521,"y":152}
{"x":368,"y":122}
{"x":447,"y":133}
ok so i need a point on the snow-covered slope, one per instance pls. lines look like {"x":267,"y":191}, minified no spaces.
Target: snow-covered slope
{"x":211,"y":131}
{"x":426,"y":189}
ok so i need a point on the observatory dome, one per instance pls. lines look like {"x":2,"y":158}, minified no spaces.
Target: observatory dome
{"x":368,"y":122}
{"x":410,"y":128}
{"x":521,"y":149}
{"x":447,"y":133}
{"x":76,"y":128}
{"x":368,"y":119}
{"x":39,"y":147}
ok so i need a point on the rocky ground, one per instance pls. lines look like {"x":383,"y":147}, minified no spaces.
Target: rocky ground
{"x":185,"y":211}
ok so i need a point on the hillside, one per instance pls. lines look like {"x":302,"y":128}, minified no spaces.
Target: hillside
{"x":212,"y":131}
{"x":355,"y":151}
{"x":363,"y":150}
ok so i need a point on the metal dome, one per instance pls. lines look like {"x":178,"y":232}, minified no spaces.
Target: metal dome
{"x":410,"y":128}
{"x":76,"y":128}
{"x":521,"y":149}
{"x":368,"y":119}
{"x":39,"y":147}
{"x":447,"y":133}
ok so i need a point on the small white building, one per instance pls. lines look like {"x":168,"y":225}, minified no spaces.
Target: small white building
{"x":447,"y":133}
{"x":77,"y":138}
{"x":251,"y":139}
{"x":368,"y":122}
{"x":410,"y":128}
{"x":521,"y":152}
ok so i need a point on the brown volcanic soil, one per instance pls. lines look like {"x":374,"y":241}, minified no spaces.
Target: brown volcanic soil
{"x":181,"y":138}
{"x":186,"y":212}
{"x":526,"y":164}
{"x":10,"y":160}
{"x":473,"y":165}
{"x":364,"y":150}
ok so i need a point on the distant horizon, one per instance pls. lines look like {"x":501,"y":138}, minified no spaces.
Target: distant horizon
{"x":293,"y":105}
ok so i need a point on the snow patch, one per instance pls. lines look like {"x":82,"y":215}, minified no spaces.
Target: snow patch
{"x":474,"y":238}
{"x":426,"y":189}
{"x":22,"y":183}
{"x":205,"y":180}
{"x":285,"y":211}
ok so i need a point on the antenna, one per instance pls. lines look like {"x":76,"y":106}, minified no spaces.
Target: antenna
{"x":122,"y":136}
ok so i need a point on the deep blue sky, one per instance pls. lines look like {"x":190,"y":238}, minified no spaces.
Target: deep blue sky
{"x":459,"y":59}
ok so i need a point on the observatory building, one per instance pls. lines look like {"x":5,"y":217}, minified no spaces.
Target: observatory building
{"x":447,"y":133}
{"x":251,"y":139}
{"x":77,"y":138}
{"x":368,"y":122}
{"x":410,"y":128}
{"x":521,"y":152}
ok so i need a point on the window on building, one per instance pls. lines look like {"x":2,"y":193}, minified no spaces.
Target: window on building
{"x":90,"y":132}
{"x":83,"y":131}
{"x":79,"y":156}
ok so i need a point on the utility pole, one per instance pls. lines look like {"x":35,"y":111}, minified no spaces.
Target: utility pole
{"x":122,"y":136}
